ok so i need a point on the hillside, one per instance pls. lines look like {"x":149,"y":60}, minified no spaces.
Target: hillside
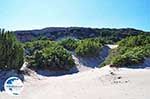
{"x":55,"y":33}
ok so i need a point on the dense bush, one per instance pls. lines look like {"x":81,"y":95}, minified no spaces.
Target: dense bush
{"x":134,"y":41}
{"x":130,"y":57}
{"x":37,"y":45}
{"x":69,"y":43}
{"x":11,"y":51}
{"x":49,"y":55}
{"x":88,"y":47}
{"x":131,"y":50}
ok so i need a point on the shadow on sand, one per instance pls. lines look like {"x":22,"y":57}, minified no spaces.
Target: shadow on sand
{"x":57,"y":73}
{"x":145,"y":64}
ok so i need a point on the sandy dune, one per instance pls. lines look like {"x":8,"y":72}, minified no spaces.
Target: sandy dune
{"x":84,"y":64}
{"x":104,"y":83}
{"x":93,"y":83}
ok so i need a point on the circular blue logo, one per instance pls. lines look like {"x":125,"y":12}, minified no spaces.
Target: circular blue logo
{"x":13,"y":86}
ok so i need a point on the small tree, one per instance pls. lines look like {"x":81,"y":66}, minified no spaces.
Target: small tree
{"x":11,"y":51}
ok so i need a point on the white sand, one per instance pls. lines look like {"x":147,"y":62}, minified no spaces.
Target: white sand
{"x":112,"y":46}
{"x":104,"y":83}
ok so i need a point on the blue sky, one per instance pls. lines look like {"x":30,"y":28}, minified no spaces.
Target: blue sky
{"x":37,"y":14}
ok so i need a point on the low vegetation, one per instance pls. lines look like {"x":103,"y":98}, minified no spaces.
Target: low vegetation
{"x":69,"y":43}
{"x":89,"y":47}
{"x":11,"y":51}
{"x":46,"y":54}
{"x":43,"y":53}
{"x":132,"y":50}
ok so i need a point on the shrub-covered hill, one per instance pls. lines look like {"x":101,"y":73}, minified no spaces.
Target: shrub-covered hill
{"x":46,"y":54}
{"x":49,"y":49}
{"x":131,"y":51}
{"x":55,"y":33}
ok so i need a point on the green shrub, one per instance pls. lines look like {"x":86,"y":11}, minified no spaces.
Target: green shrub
{"x":49,"y":55}
{"x":34,"y":46}
{"x":130,"y":57}
{"x":134,"y":41}
{"x":132,"y":50}
{"x":69,"y":44}
{"x":88,"y":47}
{"x":11,"y":51}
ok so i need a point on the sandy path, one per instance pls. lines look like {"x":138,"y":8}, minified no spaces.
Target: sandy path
{"x":104,"y":83}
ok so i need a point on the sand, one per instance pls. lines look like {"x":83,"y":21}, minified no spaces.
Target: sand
{"x":104,"y":83}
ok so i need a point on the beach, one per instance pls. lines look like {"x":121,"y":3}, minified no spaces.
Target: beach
{"x":103,"y":83}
